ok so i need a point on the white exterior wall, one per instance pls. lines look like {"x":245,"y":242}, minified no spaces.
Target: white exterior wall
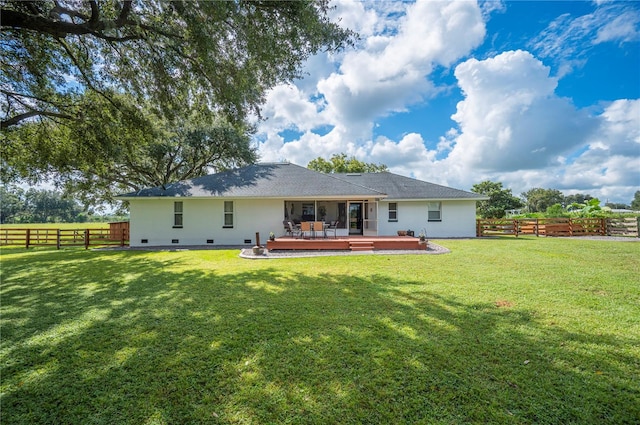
{"x":203,"y":219}
{"x":458,"y":219}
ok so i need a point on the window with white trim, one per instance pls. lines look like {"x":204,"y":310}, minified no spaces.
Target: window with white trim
{"x":435,"y":211}
{"x":393,"y":211}
{"x":228,"y":214}
{"x":177,"y":214}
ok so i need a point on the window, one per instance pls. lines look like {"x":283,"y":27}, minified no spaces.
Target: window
{"x":228,"y":214}
{"x":393,"y":211}
{"x":177,"y":214}
{"x":435,"y":211}
{"x":308,"y":212}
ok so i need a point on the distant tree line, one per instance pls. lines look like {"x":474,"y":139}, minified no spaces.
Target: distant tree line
{"x":18,"y":205}
{"x":539,"y":201}
{"x":38,"y":206}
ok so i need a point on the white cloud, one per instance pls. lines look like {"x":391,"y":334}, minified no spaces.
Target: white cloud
{"x":386,"y":74}
{"x":492,"y":6}
{"x":622,"y":28}
{"x":511,"y":125}
{"x":620,"y":128}
{"x":354,"y":16}
{"x":605,"y":163}
{"x":390,"y":72}
{"x":287,"y":107}
{"x":401,"y":43}
{"x":270,"y":147}
{"x":510,"y":118}
{"x":513,"y":128}
{"x":568,"y":39}
{"x":612,"y":156}
{"x":410,"y":150}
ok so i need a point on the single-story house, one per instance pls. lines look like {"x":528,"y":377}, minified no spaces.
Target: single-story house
{"x":229,"y":207}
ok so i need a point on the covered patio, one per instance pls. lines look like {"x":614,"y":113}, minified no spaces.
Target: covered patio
{"x":353,"y":217}
{"x":347,"y":243}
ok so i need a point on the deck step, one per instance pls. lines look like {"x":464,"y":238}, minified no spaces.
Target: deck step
{"x":361,"y":245}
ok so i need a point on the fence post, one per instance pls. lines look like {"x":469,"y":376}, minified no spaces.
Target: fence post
{"x":86,"y":238}
{"x":515,"y":226}
{"x":570,"y":227}
{"x":58,"y":238}
{"x":27,"y":237}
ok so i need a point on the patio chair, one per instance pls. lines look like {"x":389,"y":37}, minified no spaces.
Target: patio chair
{"x":318,"y":227}
{"x":291,"y":229}
{"x":333,"y":227}
{"x":305,"y":227}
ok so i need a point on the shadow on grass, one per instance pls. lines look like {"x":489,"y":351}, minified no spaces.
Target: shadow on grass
{"x":120,"y":338}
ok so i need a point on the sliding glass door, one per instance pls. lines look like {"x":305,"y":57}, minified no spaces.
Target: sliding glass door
{"x":355,"y":218}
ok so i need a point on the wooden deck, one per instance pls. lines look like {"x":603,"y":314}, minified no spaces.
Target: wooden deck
{"x":344,"y":243}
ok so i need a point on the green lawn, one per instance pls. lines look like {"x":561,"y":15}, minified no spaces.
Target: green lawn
{"x":515,"y":331}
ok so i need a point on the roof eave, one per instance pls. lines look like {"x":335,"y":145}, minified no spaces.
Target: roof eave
{"x":287,"y":197}
{"x":435,"y":199}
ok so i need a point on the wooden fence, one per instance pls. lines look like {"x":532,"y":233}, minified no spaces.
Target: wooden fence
{"x":494,"y":227}
{"x":558,"y":227}
{"x":623,"y":226}
{"x":114,"y":235}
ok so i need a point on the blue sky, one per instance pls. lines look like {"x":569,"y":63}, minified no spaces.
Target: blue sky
{"x":531,"y":94}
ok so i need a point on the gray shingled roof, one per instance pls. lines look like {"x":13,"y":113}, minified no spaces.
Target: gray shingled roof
{"x":400,"y":187}
{"x":260,"y":181}
{"x":284,"y":180}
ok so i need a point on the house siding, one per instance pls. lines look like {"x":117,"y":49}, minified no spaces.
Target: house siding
{"x":203,"y":219}
{"x":458,"y":219}
{"x":258,"y":192}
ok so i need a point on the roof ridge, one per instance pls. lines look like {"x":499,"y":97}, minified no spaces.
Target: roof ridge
{"x":352,"y":183}
{"x":333,"y":175}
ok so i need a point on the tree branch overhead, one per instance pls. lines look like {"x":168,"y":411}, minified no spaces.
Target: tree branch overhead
{"x":235,"y":50}
{"x":76,"y":73}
